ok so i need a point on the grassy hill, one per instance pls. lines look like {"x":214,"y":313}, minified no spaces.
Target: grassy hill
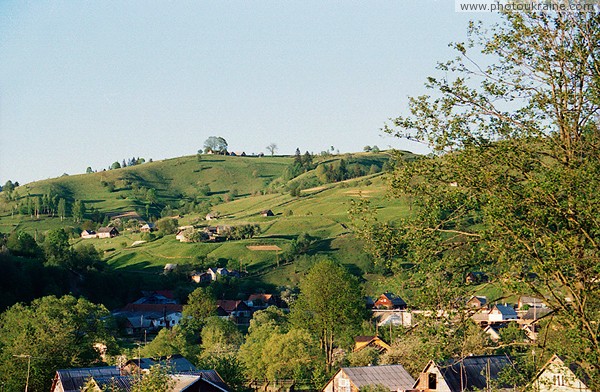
{"x":238,"y":188}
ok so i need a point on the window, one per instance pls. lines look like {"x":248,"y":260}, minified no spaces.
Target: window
{"x":344,"y":385}
{"x":559,"y":380}
{"x":431,"y":381}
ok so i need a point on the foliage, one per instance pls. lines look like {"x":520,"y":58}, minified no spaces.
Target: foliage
{"x":242,"y":232}
{"x":158,"y":379}
{"x":57,"y":248}
{"x":22,"y":244}
{"x":517,"y":185}
{"x":272,"y":148}
{"x":56,"y":332}
{"x":200,"y":306}
{"x":167,"y":225}
{"x":330,"y":306}
{"x":215,"y":145}
{"x":368,"y":356}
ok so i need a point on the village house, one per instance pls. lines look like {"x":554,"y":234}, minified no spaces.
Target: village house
{"x":149,"y":317}
{"x":390,"y":301}
{"x":236,"y":311}
{"x":393,"y":317}
{"x":261,"y":301}
{"x":267,"y":213}
{"x":502,"y":313}
{"x":184,"y":375}
{"x":88,"y":234}
{"x":148,"y":228}
{"x":354,"y":379}
{"x":558,"y":376}
{"x":107,"y":232}
{"x":212,"y":215}
{"x":467,"y":374}
{"x":526,"y":303}
{"x":477,"y":302}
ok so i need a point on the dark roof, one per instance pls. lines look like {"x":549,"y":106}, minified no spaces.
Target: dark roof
{"x":75,"y":379}
{"x":169,"y":308}
{"x":231,"y":305}
{"x":360,"y":339}
{"x":396,"y":301}
{"x":177,"y":363}
{"x":506,"y":310}
{"x":106,"y":229}
{"x":120,"y":383}
{"x":476,"y":371}
{"x":395,"y":377}
{"x":535,"y":314}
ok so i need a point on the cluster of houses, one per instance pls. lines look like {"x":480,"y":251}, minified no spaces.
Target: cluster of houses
{"x":102,"y":232}
{"x":472,"y":373}
{"x":526,"y":313}
{"x":159,"y":309}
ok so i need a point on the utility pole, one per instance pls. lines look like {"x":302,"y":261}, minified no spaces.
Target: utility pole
{"x":28,"y":368}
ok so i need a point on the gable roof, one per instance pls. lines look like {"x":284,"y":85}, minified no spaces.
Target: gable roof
{"x":176,"y":363}
{"x":472,"y":372}
{"x":505,"y":310}
{"x":73,"y":380}
{"x":573,"y":367}
{"x":230,"y":305}
{"x":396,"y":301}
{"x":107,"y":229}
{"x":395,"y":377}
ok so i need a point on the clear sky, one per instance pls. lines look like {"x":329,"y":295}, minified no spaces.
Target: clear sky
{"x":89,"y":83}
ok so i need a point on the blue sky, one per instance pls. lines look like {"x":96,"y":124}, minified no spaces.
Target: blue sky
{"x":88,"y":83}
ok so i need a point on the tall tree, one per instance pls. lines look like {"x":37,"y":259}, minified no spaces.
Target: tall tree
{"x":515,"y":185}
{"x":79,"y":210}
{"x":56,"y":333}
{"x":272,"y":148}
{"x":57,"y":248}
{"x":330,"y":306}
{"x":62,"y":208}
{"x":215,"y":145}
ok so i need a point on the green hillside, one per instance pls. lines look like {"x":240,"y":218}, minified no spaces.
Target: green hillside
{"x":237,"y":188}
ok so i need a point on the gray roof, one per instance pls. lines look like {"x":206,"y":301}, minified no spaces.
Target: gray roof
{"x":75,"y":379}
{"x":473,"y":372}
{"x":176,"y":363}
{"x":395,"y":377}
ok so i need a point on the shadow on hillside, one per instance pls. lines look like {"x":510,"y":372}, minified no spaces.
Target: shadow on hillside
{"x":278,"y":236}
{"x":322,"y":246}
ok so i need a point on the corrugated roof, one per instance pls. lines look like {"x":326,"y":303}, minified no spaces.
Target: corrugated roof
{"x":395,"y":377}
{"x":75,"y":379}
{"x":473,"y":372}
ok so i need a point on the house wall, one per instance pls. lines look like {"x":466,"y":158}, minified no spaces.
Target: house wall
{"x":340,"y":383}
{"x":557,"y":378}
{"x":423,"y":383}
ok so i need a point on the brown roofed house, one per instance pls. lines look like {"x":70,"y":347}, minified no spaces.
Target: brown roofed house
{"x":390,"y":301}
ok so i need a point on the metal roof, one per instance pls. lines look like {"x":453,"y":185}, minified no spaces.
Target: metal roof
{"x":472,"y":373}
{"x":75,"y":379}
{"x":395,"y":377}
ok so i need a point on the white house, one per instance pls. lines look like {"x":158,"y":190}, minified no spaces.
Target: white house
{"x":557,"y":376}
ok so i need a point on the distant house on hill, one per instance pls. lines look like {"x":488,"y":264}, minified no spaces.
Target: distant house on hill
{"x":476,"y":277}
{"x":236,"y":311}
{"x":390,"y":301}
{"x":477,"y":302}
{"x":148,"y":228}
{"x":261,"y":301}
{"x":107,"y":232}
{"x":558,"y":376}
{"x":212,"y":215}
{"x":88,"y":234}
{"x":267,"y":213}
{"x":467,"y":374}
{"x":354,"y":379}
